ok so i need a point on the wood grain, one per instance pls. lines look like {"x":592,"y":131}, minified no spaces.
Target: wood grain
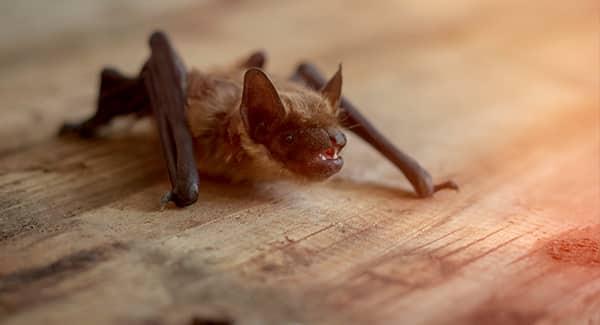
{"x":501,"y":96}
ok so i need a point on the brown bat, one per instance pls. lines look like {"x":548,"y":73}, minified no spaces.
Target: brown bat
{"x":240,"y":124}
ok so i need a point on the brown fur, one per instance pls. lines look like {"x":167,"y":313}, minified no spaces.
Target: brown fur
{"x":223,"y":145}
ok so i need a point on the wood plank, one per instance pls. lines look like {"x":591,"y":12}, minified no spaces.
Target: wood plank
{"x":496,"y":95}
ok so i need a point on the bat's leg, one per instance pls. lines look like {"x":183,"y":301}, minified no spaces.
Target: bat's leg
{"x":165,"y":78}
{"x":420,"y":179}
{"x":118,"y":95}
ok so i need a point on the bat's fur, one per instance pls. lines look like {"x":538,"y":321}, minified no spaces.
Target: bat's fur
{"x":224,"y":146}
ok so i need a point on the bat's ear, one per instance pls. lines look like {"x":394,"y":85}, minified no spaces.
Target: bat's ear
{"x":332,"y":91}
{"x":261,"y":107}
{"x":257,"y":59}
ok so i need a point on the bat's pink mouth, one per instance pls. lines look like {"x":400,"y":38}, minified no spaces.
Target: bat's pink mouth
{"x":338,"y":141}
{"x":329,"y":154}
{"x":328,"y":162}
{"x":315,"y":153}
{"x":321,"y":167}
{"x":325,"y":167}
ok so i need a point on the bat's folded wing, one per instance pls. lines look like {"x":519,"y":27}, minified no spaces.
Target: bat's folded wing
{"x":165,"y":78}
{"x":420,"y":179}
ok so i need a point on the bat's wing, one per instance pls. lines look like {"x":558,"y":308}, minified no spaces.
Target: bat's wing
{"x":119,"y":95}
{"x":420,"y":179}
{"x":160,"y":89}
{"x":165,"y":79}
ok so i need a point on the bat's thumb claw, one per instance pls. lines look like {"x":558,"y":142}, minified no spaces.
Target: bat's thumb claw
{"x":165,"y":199}
{"x":180,"y":198}
{"x":448,"y":185}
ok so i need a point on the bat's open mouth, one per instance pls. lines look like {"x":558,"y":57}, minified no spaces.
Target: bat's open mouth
{"x":329,"y":154}
{"x":325,"y":165}
{"x":328,"y":162}
{"x":313,"y":153}
{"x":320,"y":167}
{"x":338,"y":141}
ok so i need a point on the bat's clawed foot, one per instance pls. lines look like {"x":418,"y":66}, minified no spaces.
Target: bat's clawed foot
{"x":447,"y":185}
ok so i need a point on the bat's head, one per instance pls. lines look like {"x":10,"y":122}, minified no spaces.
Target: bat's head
{"x":299,"y":127}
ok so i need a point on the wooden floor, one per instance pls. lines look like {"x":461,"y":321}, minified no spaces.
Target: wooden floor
{"x":501,"y":96}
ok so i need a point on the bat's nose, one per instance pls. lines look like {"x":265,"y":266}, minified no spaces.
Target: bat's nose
{"x":338,"y":138}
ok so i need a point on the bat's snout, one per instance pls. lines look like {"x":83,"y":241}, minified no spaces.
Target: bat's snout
{"x":312,"y":153}
{"x":329,"y":161}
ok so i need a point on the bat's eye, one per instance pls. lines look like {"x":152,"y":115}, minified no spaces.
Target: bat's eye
{"x":288,"y":138}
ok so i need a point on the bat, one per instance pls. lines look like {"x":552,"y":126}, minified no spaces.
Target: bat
{"x":239,"y":123}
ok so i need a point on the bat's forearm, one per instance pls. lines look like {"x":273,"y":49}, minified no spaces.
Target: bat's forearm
{"x":165,"y":78}
{"x":357,"y":123}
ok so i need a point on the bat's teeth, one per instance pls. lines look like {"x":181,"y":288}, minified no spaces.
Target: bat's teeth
{"x":329,"y":156}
